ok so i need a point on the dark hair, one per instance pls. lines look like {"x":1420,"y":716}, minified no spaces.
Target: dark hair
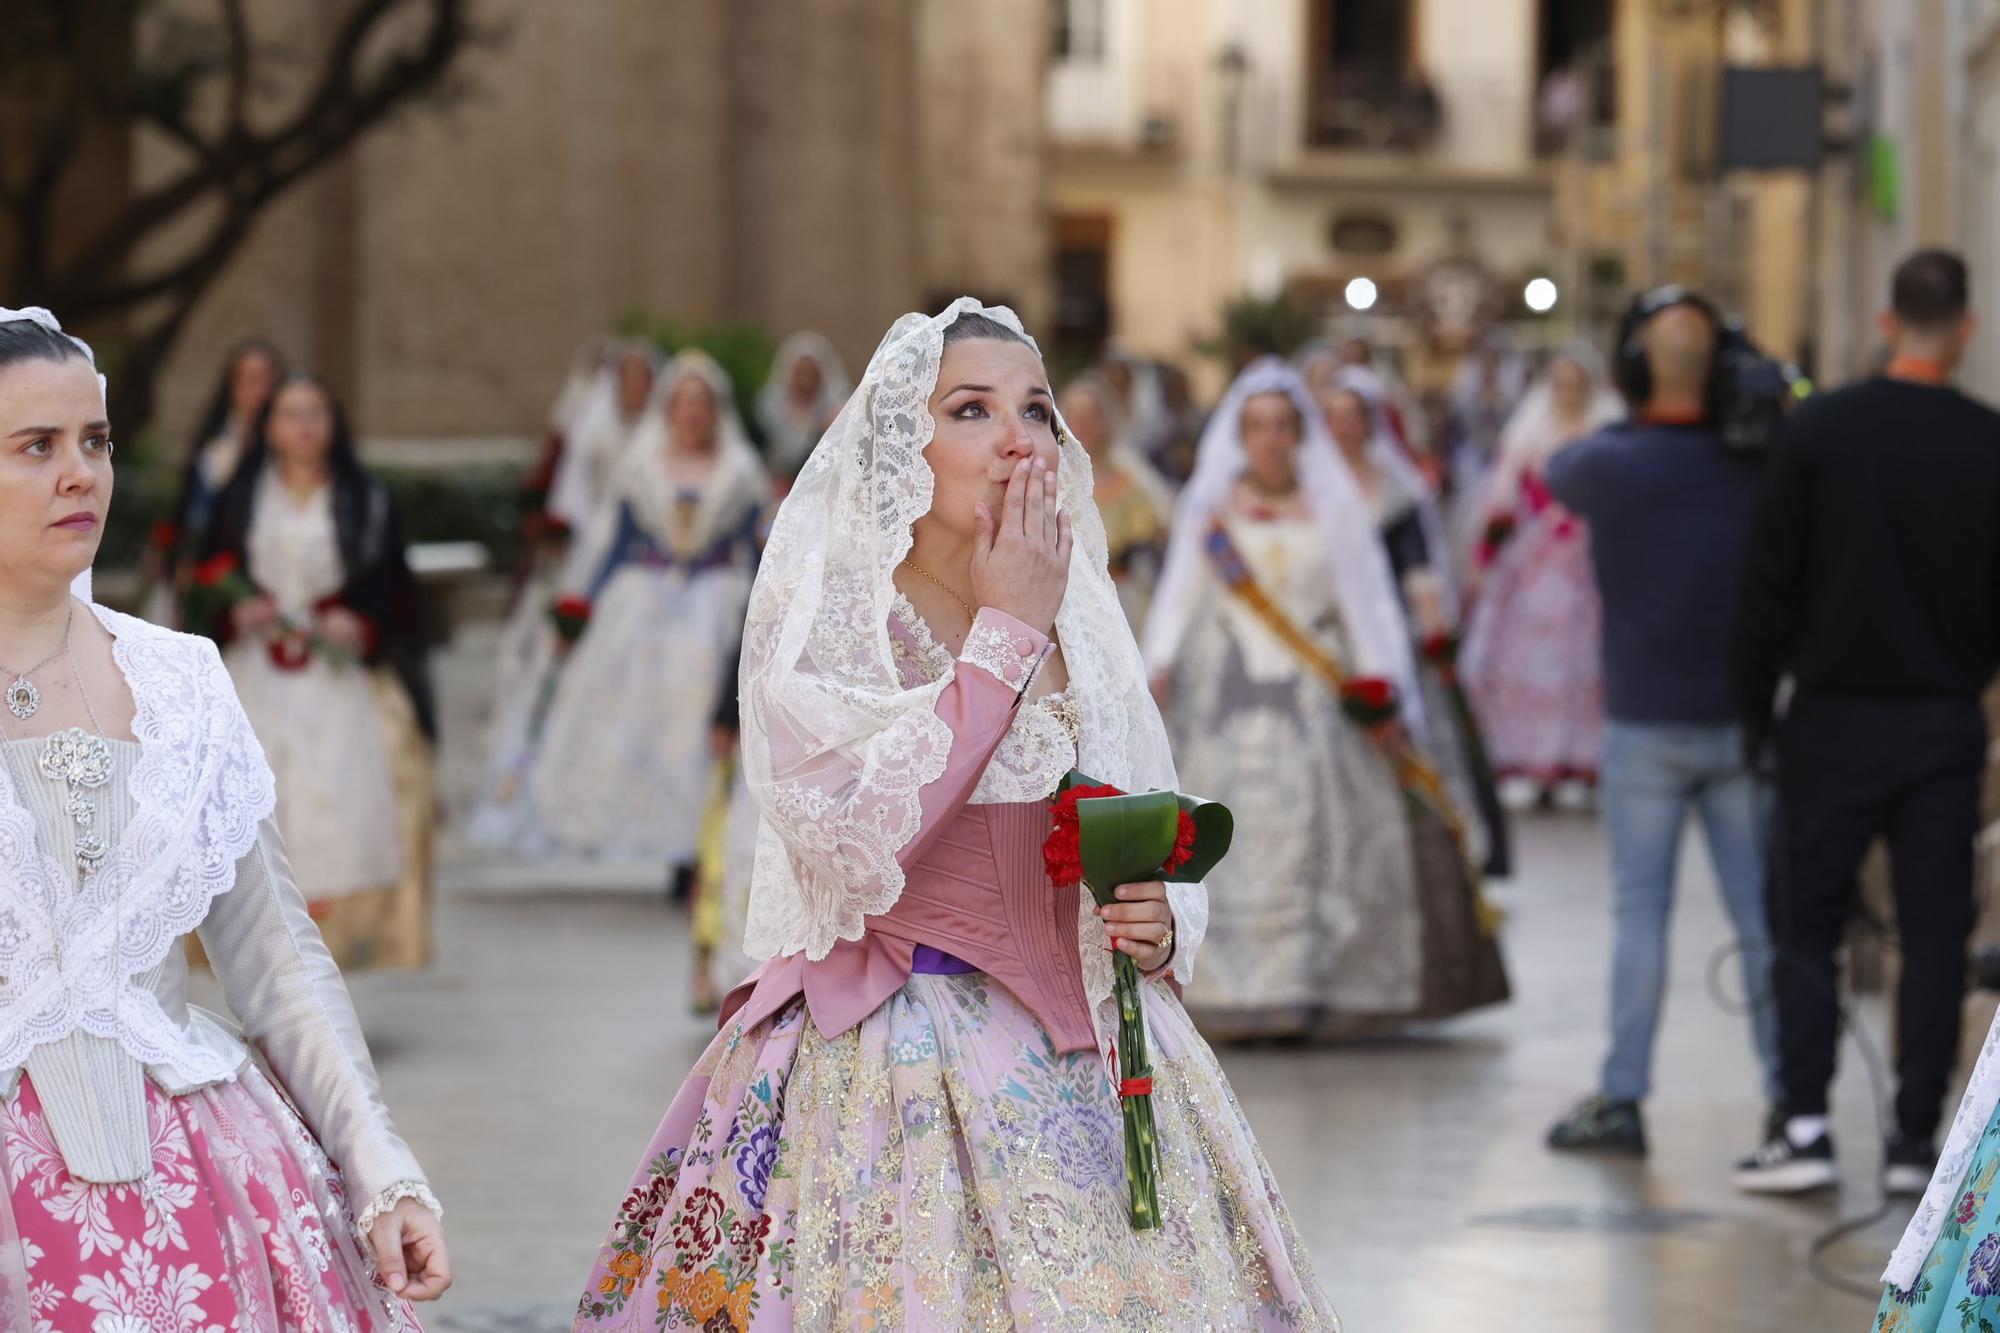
{"x":342,"y":458}
{"x":212,"y":420}
{"x":1930,"y":289}
{"x":971,"y":325}
{"x":25,"y":340}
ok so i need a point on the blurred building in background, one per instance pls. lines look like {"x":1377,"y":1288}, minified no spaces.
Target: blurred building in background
{"x":1394,"y":152}
{"x":1124,"y":170}
{"x":815,"y":165}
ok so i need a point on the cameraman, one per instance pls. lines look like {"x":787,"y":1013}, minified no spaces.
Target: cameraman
{"x":1874,"y":581}
{"x":1669,"y":505}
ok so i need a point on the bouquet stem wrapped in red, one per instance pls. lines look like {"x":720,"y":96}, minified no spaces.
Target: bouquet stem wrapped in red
{"x":1103,"y":838}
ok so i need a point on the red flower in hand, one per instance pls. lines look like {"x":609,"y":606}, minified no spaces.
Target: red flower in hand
{"x":1062,"y":853}
{"x":1372,"y":691}
{"x":1369,"y":700}
{"x":1183,"y":845}
{"x":571,"y":616}
{"x":290,"y":651}
{"x":215,"y":569}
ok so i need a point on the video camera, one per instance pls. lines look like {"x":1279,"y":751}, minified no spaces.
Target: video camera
{"x":1749,"y":392}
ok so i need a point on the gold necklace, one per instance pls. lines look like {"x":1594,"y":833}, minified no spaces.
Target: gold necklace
{"x":971,"y":612}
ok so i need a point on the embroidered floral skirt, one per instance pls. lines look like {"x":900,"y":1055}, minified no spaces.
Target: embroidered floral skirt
{"x":942,"y":1167}
{"x":1958,"y":1287}
{"x":1530,"y":661}
{"x":242,"y":1225}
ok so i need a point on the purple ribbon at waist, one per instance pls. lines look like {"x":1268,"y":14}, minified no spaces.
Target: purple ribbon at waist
{"x":932,"y":962}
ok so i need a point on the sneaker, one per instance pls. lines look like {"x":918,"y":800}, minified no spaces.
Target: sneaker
{"x":1599,"y":1124}
{"x":1518,"y":795}
{"x":1574,"y":796}
{"x":1780,"y":1167}
{"x":1907,"y":1166}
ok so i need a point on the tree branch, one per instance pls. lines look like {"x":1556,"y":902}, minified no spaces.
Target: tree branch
{"x":238,"y":27}
{"x":250,"y":169}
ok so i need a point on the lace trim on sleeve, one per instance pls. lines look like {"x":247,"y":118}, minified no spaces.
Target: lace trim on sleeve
{"x":1010,"y":655}
{"x":384,"y":1202}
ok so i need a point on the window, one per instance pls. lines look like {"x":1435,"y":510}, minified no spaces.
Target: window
{"x":1079,"y":31}
{"x":1574,"y":88}
{"x":1083,"y":286}
{"x":1367,"y":88}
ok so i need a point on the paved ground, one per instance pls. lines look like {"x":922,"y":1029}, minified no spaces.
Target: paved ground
{"x":530,"y":1066}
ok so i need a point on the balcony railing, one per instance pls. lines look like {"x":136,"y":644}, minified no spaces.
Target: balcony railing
{"x":1367,"y":109}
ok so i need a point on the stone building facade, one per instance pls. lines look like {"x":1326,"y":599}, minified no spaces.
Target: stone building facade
{"x":794,"y":164}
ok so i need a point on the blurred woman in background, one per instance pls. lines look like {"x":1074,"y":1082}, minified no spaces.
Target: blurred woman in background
{"x":222,"y":437}
{"x":621,"y":769}
{"x":806,"y":387}
{"x":1279,"y":646}
{"x":1133,"y":501}
{"x":305,"y":583}
{"x":1413,"y":536}
{"x":1531,"y":650}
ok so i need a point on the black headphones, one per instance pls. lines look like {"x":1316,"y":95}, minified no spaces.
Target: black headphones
{"x":1634,"y":373}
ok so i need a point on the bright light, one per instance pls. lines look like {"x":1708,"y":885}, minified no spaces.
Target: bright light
{"x":1361,"y":294}
{"x":1540,"y":294}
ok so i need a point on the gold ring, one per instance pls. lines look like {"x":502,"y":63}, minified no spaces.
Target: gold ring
{"x":1167,"y":940}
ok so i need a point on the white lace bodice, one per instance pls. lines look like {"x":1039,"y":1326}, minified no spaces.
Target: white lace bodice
{"x":93,"y":980}
{"x":293,"y":547}
{"x":1037,"y":750}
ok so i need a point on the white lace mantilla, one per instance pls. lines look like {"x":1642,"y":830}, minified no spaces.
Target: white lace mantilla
{"x":1968,"y":1127}
{"x":1039,"y":748}
{"x":69,"y":957}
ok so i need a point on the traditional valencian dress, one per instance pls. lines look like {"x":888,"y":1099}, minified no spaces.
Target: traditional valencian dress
{"x":349,"y":739}
{"x":906,"y":1120}
{"x":588,"y":433}
{"x":1945,"y":1274}
{"x":1415,"y":540}
{"x":1350,"y":908}
{"x":621,"y":767}
{"x":1531,"y":658}
{"x":152,"y":1175}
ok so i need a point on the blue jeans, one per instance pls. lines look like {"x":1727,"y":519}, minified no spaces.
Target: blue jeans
{"x":1654,"y":776}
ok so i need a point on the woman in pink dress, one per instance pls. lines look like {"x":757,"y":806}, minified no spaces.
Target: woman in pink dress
{"x":1530,"y":660}
{"x":152,"y":1176}
{"x":905,"y":1121}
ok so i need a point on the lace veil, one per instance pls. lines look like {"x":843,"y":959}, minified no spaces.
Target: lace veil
{"x":1533,"y":434}
{"x":1370,"y":612}
{"x":836,"y":749}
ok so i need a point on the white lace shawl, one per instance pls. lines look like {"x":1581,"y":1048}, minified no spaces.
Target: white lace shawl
{"x":836,"y":748}
{"x":1961,"y":1145}
{"x":69,"y":957}
{"x":1371,"y":612}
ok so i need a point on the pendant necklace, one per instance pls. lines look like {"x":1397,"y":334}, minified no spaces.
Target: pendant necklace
{"x":22,"y":696}
{"x":80,"y":761}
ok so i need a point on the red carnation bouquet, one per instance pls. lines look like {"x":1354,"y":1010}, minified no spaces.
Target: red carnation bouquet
{"x":1102,"y":838}
{"x":220,"y":586}
{"x":571,"y":616}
